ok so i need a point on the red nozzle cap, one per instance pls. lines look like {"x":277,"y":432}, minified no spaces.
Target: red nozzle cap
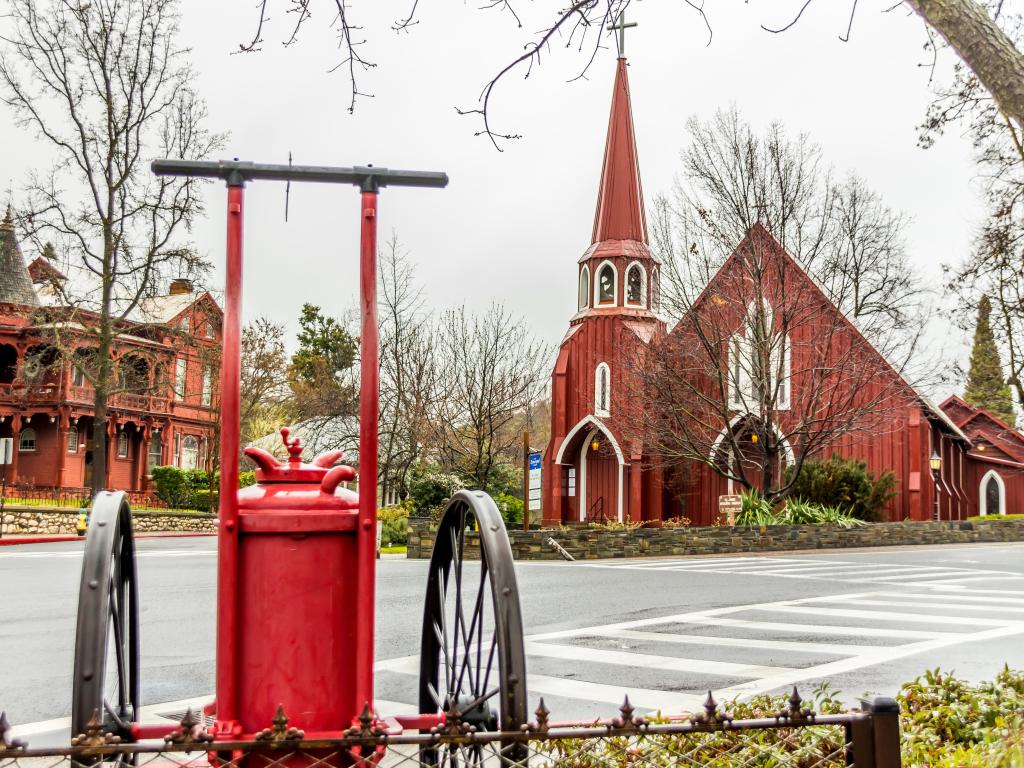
{"x":270,"y":470}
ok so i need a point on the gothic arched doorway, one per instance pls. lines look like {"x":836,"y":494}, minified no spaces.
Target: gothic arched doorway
{"x":593,"y":467}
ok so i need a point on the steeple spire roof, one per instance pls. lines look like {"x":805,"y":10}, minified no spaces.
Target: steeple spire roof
{"x":620,"y":200}
{"x":15,"y":283}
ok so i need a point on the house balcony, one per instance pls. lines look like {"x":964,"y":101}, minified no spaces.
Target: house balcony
{"x":20,"y":394}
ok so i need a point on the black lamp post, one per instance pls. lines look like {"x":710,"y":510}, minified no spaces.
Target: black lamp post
{"x":936,"y":464}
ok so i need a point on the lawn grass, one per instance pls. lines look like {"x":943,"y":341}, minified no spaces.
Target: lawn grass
{"x":997,"y":517}
{"x":397,"y":550}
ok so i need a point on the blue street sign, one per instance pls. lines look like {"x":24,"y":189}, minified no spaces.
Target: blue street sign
{"x":535,"y":460}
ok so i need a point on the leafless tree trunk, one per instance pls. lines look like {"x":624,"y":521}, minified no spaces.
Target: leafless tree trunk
{"x":107,"y":88}
{"x":264,"y":384}
{"x":408,"y":370}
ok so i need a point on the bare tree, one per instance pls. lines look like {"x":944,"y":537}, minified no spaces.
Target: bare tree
{"x":760,"y":373}
{"x":841,"y":232}
{"x":490,"y":373}
{"x":408,"y":371}
{"x":105,"y":86}
{"x":264,"y":384}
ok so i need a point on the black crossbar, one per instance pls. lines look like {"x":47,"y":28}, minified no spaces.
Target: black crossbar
{"x":236,"y":172}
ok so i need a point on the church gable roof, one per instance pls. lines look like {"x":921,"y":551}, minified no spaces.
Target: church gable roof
{"x":981,"y":424}
{"x":620,"y":201}
{"x":15,"y":282}
{"x":759,"y":239}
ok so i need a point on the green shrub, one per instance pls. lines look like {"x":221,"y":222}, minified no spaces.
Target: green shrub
{"x":846,"y":483}
{"x":996,"y":517}
{"x":430,"y":489}
{"x":245,"y":479}
{"x":511,"y":508}
{"x":395,"y":528}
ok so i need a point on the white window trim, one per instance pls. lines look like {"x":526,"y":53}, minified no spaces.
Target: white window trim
{"x":73,"y":447}
{"x":605,"y":408}
{"x":206,"y":398}
{"x":983,"y":502}
{"x":655,"y":286}
{"x":127,"y":448}
{"x":580,"y":293}
{"x":597,"y":285}
{"x":739,"y":389}
{"x":180,"y":378}
{"x":643,"y":286}
{"x":35,"y":441}
{"x":783,"y":403}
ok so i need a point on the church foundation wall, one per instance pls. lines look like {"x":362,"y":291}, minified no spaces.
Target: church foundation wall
{"x":586,"y":543}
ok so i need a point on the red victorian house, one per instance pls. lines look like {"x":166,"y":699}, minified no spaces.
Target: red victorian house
{"x":649,"y":424}
{"x":162,"y":412}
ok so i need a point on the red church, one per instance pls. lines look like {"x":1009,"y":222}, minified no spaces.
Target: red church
{"x":609,"y":459}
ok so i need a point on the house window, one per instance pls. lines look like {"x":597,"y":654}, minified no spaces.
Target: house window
{"x":179,"y":378}
{"x":635,"y":285}
{"x":606,"y":287}
{"x":177,"y":450}
{"x":189,"y":452}
{"x":202,"y":453}
{"x":73,"y":440}
{"x":156,"y":450}
{"x":183,"y":324}
{"x":27,"y":442}
{"x":207,"y":385}
{"x":122,"y":445}
{"x":602,"y":390}
{"x":78,"y":376}
{"x":584,"y":300}
{"x":211,"y":330}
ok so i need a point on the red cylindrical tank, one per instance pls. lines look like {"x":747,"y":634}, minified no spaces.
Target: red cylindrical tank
{"x":296,"y":607}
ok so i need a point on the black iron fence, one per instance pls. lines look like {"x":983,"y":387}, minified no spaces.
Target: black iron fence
{"x":794,"y":737}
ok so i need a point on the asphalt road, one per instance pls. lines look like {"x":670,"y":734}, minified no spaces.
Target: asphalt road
{"x":665,"y":631}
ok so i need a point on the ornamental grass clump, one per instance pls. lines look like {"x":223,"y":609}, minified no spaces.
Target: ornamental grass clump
{"x":757,"y":511}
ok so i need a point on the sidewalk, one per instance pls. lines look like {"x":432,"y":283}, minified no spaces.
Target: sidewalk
{"x":10,"y":539}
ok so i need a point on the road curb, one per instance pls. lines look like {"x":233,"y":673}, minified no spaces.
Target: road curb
{"x":7,"y":542}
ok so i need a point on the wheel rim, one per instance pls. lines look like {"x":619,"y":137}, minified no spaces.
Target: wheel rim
{"x":106,"y":674}
{"x":473,"y":664}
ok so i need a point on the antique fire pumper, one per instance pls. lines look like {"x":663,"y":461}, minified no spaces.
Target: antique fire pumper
{"x":296,"y":568}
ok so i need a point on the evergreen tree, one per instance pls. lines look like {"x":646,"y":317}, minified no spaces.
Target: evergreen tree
{"x":986,"y":386}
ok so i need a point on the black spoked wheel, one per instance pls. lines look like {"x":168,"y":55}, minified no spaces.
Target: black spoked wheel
{"x":473,"y":662}
{"x":106,"y":681}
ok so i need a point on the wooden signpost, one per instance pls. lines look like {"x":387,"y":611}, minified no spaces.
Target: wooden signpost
{"x":729,"y":506}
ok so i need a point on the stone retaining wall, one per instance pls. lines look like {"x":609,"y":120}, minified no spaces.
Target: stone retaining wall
{"x":585,"y":543}
{"x":45,"y":521}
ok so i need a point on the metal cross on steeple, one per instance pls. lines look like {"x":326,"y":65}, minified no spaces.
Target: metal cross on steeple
{"x":621,"y":26}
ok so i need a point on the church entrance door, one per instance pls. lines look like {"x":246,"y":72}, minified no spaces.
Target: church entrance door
{"x":601,"y":467}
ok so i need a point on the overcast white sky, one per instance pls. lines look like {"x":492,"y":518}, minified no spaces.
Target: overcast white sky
{"x":511,"y":225}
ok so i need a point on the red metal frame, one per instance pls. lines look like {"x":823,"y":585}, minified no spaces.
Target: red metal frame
{"x":227,"y":540}
{"x":228,"y":707}
{"x":366,"y":566}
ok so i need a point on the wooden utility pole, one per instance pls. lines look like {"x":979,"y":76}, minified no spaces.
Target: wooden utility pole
{"x":526,"y":481}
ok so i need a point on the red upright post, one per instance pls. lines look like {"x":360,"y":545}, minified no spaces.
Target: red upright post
{"x":368,"y":414}
{"x":227,"y":562}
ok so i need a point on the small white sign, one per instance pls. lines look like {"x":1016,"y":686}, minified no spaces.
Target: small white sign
{"x":534,"y":478}
{"x":535,"y":504}
{"x":534,"y":493}
{"x":6,"y":450}
{"x":572,"y":481}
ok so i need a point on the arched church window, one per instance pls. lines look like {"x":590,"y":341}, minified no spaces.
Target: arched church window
{"x":992,"y":494}
{"x":606,"y":287}
{"x":759,"y":363}
{"x":603,"y":390}
{"x":656,"y":290}
{"x":584,"y":300}
{"x":635,"y":285}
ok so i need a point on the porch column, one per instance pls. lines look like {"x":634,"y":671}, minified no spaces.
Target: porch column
{"x":111,"y":428}
{"x":141,"y":453}
{"x":635,"y":511}
{"x":62,"y":450}
{"x":12,"y":470}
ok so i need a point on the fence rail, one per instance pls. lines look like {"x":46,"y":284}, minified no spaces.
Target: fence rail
{"x":792,"y":738}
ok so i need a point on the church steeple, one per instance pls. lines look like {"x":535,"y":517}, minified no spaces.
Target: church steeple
{"x":620,"y":201}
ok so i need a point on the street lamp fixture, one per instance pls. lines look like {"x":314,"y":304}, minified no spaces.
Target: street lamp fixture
{"x":936,"y":464}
